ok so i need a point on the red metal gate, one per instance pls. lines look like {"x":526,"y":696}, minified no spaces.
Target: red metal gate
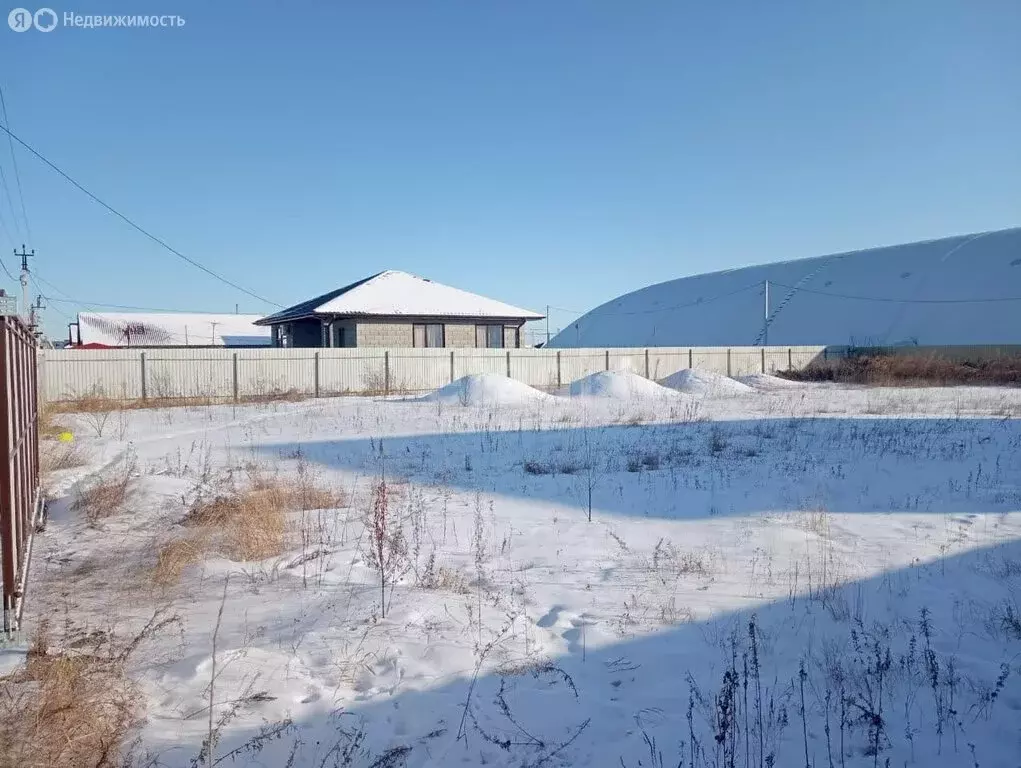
{"x":20,"y":498}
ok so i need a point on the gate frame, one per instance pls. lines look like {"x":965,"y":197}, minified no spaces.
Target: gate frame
{"x":21,"y":501}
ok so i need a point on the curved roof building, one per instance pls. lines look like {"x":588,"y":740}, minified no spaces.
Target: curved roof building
{"x":956,"y":290}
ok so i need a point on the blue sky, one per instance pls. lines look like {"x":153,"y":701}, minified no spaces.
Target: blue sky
{"x":542,"y":152}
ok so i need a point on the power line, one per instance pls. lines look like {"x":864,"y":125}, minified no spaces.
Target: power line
{"x":135,"y":226}
{"x":890,"y":300}
{"x":14,"y":163}
{"x":698,"y":302}
{"x":84,"y":303}
{"x":7,"y":271}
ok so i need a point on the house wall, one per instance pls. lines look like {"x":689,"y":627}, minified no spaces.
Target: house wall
{"x":457,"y":334}
{"x":306,"y":333}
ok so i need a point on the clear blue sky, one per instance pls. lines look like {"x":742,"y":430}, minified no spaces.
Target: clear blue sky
{"x":538,"y":151}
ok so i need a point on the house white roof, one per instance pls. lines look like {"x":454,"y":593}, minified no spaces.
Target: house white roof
{"x":393,"y":293}
{"x":170,"y":329}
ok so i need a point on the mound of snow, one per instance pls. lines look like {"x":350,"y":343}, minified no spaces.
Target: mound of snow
{"x":767,"y":383}
{"x":619,"y":385}
{"x":694,"y":381}
{"x":486,"y":389}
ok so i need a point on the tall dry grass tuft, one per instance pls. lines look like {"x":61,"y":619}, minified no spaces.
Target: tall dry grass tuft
{"x":72,"y":709}
{"x":107,"y":494}
{"x":54,"y":456}
{"x":241,"y":524}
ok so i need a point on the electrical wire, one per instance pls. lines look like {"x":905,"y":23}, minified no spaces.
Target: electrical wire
{"x":133,"y":225}
{"x":890,"y":300}
{"x":84,"y":303}
{"x":699,"y":302}
{"x":14,"y":164}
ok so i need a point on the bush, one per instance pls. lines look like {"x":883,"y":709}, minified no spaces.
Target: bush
{"x":879,"y":369}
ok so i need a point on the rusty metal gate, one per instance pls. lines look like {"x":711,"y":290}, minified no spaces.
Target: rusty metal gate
{"x":20,"y":497}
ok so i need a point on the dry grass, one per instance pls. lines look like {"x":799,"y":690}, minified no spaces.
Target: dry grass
{"x":101,"y":404}
{"x":107,"y":494}
{"x":67,"y":710}
{"x":911,"y":370}
{"x":241,"y":524}
{"x":176,"y":556}
{"x":55,"y":456}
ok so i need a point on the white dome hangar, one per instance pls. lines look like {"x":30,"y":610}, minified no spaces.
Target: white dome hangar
{"x":955,"y":290}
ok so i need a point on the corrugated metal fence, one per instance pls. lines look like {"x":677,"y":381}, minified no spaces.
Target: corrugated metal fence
{"x":19,"y":461}
{"x":243,"y":374}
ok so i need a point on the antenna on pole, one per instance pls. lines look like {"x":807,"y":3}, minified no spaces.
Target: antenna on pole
{"x":547,"y":325}
{"x":24,"y":277}
{"x":34,"y":310}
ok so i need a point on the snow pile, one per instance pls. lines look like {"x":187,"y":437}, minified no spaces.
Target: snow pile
{"x":695,"y":381}
{"x":486,"y":389}
{"x":768,"y":383}
{"x":617,"y":385}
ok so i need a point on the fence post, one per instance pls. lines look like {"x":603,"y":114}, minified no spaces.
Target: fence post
{"x":728,"y":361}
{"x":316,"y":374}
{"x":824,"y":355}
{"x":145,"y":390}
{"x":234,"y":376}
{"x":646,"y":363}
{"x":763,"y":359}
{"x":559,"y":383}
{"x":508,"y":364}
{"x":7,"y":511}
{"x":607,"y":359}
{"x":386,"y":372}
{"x":790,"y":359}
{"x":691,"y":358}
{"x":451,"y":366}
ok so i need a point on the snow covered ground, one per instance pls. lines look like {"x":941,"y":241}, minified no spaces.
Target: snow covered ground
{"x":784,"y":576}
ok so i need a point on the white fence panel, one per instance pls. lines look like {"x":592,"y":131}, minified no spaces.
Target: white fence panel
{"x":578,"y":363}
{"x":468,"y":362}
{"x":201,"y":373}
{"x":280,"y":372}
{"x":536,"y":367}
{"x":419,"y":370}
{"x":344,"y":371}
{"x":71,"y":374}
{"x":160,"y":373}
{"x":663,"y":362}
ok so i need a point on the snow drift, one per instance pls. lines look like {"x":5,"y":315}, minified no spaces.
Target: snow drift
{"x":698,"y":382}
{"x":617,"y":385}
{"x":767,"y":383}
{"x":487,"y":389}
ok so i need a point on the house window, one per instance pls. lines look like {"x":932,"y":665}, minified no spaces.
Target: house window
{"x":339,"y":336}
{"x":489,"y":336}
{"x":428,"y":335}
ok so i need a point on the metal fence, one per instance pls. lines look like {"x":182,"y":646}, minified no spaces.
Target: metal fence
{"x":20,"y":498}
{"x":245,"y":374}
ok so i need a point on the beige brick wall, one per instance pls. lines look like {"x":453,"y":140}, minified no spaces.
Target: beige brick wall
{"x":373,"y":334}
{"x":460,"y":335}
{"x":457,"y":335}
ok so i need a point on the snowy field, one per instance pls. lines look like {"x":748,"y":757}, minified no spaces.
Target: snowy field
{"x":621,"y":574}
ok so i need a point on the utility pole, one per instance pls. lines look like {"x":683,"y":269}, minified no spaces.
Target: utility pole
{"x":35,"y":308}
{"x":24,"y":277}
{"x":765,"y":324}
{"x":547,"y":325}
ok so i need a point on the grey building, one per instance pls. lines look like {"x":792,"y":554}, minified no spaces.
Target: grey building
{"x":397,"y":309}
